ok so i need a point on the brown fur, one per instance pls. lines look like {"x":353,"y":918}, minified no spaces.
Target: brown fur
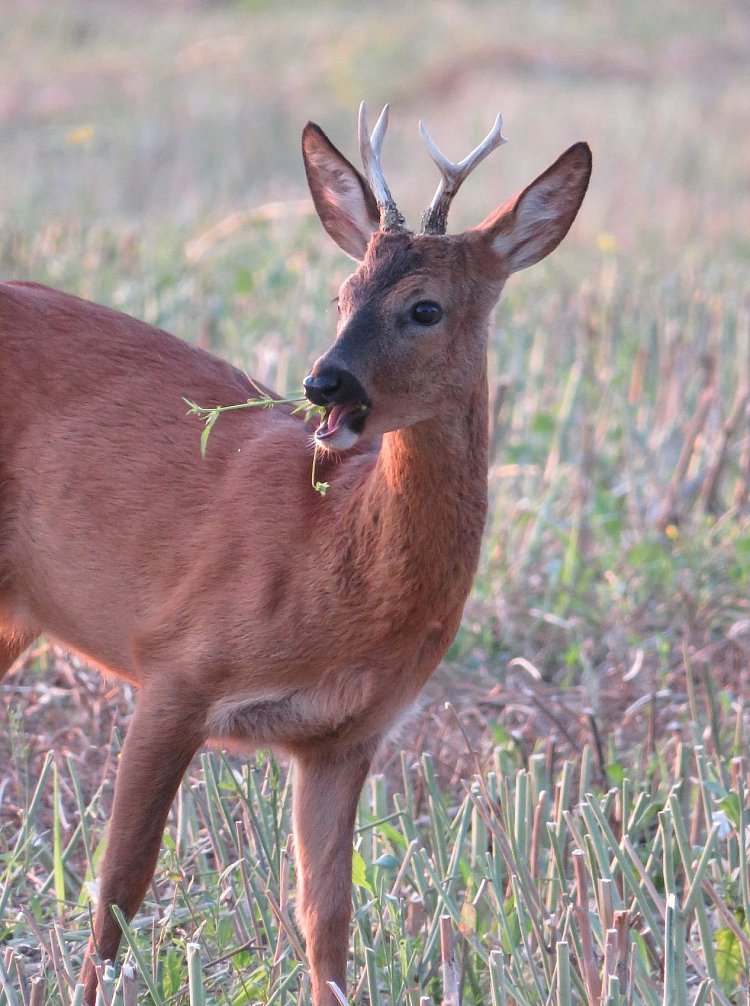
{"x":246,"y":607}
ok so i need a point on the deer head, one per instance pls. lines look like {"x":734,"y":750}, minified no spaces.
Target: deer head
{"x":413,"y":318}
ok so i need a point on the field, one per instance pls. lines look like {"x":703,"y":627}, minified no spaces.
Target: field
{"x":565,"y":819}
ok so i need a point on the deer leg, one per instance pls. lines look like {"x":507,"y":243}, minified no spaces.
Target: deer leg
{"x":162,"y":738}
{"x":326,"y":790}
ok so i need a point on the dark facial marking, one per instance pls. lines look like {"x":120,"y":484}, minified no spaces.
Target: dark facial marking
{"x":389,"y":259}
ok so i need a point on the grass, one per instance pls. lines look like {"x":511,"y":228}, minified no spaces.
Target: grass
{"x":579,"y":815}
{"x":629,"y":885}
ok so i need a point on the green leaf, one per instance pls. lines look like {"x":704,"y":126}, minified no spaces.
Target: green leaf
{"x":731,"y":807}
{"x":359,"y":873}
{"x":386,"y":862}
{"x":510,"y":937}
{"x":729,"y":964}
{"x":207,"y":430}
{"x":543,"y":423}
{"x":615,"y":772}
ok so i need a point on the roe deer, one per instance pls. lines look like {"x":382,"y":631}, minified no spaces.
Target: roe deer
{"x":246,"y":607}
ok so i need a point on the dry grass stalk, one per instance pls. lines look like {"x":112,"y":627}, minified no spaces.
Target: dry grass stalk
{"x":449,"y":968}
{"x":622,"y":922}
{"x":38,"y":990}
{"x":707,"y":496}
{"x":536,"y":832}
{"x":609,"y":965}
{"x":706,"y":402}
{"x":581,"y":914}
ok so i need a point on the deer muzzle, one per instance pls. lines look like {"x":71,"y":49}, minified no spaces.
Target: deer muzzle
{"x":345,"y":402}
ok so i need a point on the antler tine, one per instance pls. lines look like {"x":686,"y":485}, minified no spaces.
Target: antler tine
{"x":376,"y":137}
{"x":370,"y":145}
{"x":434,"y":219}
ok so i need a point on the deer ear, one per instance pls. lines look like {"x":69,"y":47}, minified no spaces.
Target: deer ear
{"x":533,"y":223}
{"x":343,"y":199}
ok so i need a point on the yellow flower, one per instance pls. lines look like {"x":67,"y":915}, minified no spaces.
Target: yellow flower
{"x":606,"y":242}
{"x":81,"y":134}
{"x":672,"y":531}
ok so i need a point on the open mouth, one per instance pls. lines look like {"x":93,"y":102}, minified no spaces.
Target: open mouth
{"x":342,"y":425}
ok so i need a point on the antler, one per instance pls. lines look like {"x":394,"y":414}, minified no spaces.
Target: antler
{"x":435,"y":218}
{"x":370,"y":145}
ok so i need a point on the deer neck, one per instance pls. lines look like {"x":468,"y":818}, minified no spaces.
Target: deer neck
{"x":425,"y":504}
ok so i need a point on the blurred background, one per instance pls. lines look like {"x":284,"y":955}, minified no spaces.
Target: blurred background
{"x":150,"y":160}
{"x":187,"y":111}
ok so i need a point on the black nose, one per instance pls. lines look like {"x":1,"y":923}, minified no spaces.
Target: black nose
{"x":323,"y":388}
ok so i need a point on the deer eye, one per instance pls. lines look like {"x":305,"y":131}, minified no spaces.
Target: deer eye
{"x":426,"y":312}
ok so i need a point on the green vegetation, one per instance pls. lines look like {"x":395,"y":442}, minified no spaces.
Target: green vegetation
{"x":580,"y":815}
{"x":579,"y":884}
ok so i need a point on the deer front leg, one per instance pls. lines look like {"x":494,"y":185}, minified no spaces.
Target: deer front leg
{"x":162,"y":738}
{"x":326,"y":790}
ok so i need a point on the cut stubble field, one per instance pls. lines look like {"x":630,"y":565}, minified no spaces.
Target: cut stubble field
{"x":574,"y":820}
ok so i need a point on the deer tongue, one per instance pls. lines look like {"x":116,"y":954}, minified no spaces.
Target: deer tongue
{"x":337,"y":414}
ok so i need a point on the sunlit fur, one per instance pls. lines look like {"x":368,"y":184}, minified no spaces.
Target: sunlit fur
{"x":246,"y":606}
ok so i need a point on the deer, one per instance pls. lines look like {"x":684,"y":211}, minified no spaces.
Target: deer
{"x":248,"y":609}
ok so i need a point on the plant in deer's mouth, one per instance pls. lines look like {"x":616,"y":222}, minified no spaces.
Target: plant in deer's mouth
{"x":264,"y":401}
